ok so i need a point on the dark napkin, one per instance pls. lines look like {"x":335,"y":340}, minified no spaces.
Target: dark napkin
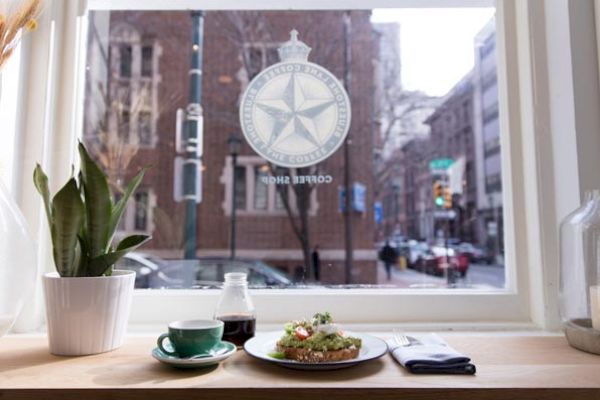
{"x":430,"y":354}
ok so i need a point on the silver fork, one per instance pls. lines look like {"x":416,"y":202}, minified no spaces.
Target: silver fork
{"x":401,"y":339}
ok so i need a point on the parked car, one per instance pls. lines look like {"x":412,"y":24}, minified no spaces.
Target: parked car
{"x":439,"y":258}
{"x":415,"y":251}
{"x":209,"y":272}
{"x":148,"y":270}
{"x":474,"y":253}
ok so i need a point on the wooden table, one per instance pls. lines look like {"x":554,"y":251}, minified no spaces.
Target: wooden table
{"x":507,"y":368}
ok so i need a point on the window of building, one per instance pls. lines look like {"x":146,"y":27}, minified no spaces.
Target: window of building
{"x":145,"y":128}
{"x":131,"y":80}
{"x":240,"y":187}
{"x":259,"y":56}
{"x":256,"y":194}
{"x":125,"y":61}
{"x":147,"y":61}
{"x":254,"y":235}
{"x":261,"y":188}
{"x":124,"y":125}
{"x":141,"y":211}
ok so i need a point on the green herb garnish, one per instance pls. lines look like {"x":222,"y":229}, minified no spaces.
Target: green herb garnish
{"x":279,"y":355}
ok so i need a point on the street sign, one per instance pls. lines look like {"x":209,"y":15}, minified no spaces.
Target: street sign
{"x":378,"y":211}
{"x":444,"y":214}
{"x":440,"y":164}
{"x":359,"y":198}
{"x":492,"y":228}
{"x":195,"y":188}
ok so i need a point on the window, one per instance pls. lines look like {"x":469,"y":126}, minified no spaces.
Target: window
{"x":131,"y":80}
{"x":141,"y":211}
{"x":139,"y":214}
{"x":240,"y":188}
{"x":261,"y":188}
{"x":147,"y":61}
{"x":257,"y":195}
{"x":124,"y":124}
{"x":259,"y":56}
{"x":145,"y":128}
{"x":508,"y":303}
{"x":125,"y":61}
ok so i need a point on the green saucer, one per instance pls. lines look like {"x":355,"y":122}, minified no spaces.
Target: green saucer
{"x":224,"y":350}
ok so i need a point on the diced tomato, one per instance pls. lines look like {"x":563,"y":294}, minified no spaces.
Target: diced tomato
{"x":301,"y":333}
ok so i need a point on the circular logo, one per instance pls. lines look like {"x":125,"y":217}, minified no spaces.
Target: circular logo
{"x":295,"y":114}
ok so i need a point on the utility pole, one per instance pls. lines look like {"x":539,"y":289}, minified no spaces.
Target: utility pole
{"x":193,"y":139}
{"x":347,"y":156}
{"x":235,"y":143}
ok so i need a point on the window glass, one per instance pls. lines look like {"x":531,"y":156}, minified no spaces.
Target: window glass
{"x":147,"y":61}
{"x":279,"y":204}
{"x":141,"y":211}
{"x":126,"y":53}
{"x":418,"y":176}
{"x":123,"y":123}
{"x":261,"y":189}
{"x":145,"y":128}
{"x":240,"y":187}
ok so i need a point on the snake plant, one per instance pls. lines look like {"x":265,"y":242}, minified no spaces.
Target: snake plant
{"x":83,"y":220}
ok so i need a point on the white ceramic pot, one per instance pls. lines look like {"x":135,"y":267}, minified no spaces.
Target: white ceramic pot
{"x":87,"y":315}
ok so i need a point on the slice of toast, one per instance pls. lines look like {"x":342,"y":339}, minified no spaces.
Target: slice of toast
{"x":313,"y":356}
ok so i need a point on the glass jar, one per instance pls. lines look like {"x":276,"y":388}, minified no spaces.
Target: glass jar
{"x":236,"y":310}
{"x":18,"y":261}
{"x":580,"y":266}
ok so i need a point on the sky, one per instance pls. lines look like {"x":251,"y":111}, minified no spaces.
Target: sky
{"x":436,"y":44}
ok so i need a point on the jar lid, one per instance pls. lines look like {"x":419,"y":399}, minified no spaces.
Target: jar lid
{"x":235,"y":277}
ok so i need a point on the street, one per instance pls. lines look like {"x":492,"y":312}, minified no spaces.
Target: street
{"x":479,"y":276}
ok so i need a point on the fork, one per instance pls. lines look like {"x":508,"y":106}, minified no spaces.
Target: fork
{"x":401,"y":339}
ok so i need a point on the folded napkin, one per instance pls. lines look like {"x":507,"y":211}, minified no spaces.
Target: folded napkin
{"x":430,"y":354}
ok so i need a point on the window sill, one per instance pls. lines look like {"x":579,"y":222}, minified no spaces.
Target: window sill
{"x":526,"y":367}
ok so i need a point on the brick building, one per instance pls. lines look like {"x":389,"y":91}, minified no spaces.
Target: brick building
{"x":487,"y":128}
{"x":452,"y":136}
{"x":137,"y":79}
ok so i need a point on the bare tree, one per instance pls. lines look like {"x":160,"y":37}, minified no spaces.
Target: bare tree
{"x":110,"y":143}
{"x":246,"y":28}
{"x":298,"y":210}
{"x":400,"y":112}
{"x":168,"y":226}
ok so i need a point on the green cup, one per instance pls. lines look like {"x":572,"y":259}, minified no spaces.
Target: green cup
{"x":191,"y":338}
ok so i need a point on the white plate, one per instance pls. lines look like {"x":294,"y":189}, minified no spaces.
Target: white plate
{"x":262,"y":344}
{"x":194,"y":363}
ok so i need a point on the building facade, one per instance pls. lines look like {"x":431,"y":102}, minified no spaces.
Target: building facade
{"x":463,"y":126}
{"x":137,"y":79}
{"x":487,"y":134}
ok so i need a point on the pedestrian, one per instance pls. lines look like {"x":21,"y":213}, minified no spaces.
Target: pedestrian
{"x":388,"y":255}
{"x":316,"y":263}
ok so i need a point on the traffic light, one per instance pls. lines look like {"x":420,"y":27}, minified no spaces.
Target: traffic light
{"x":447,"y":198}
{"x":438,"y":198}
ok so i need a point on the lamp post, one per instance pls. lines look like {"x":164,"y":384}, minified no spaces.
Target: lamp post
{"x":348,"y":245}
{"x":235,"y":145}
{"x":193,"y":139}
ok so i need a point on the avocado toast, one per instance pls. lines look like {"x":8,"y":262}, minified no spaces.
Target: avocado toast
{"x":317,"y":340}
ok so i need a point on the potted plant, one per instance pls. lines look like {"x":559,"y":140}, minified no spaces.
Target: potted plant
{"x":87,"y":301}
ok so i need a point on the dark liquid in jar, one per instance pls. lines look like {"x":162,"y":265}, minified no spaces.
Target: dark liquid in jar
{"x":238,"y":328}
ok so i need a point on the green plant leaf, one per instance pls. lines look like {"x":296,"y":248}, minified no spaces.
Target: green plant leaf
{"x":40,"y":180}
{"x":98,"y":204}
{"x":67,"y":218}
{"x":98,"y":265}
{"x":82,"y":257}
{"x":119,"y":208}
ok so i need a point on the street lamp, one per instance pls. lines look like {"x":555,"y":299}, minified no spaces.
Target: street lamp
{"x":235,"y":145}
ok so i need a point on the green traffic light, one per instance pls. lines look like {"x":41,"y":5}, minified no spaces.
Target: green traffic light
{"x":439,"y":201}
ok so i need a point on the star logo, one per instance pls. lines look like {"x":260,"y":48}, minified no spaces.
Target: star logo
{"x":295,"y":113}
